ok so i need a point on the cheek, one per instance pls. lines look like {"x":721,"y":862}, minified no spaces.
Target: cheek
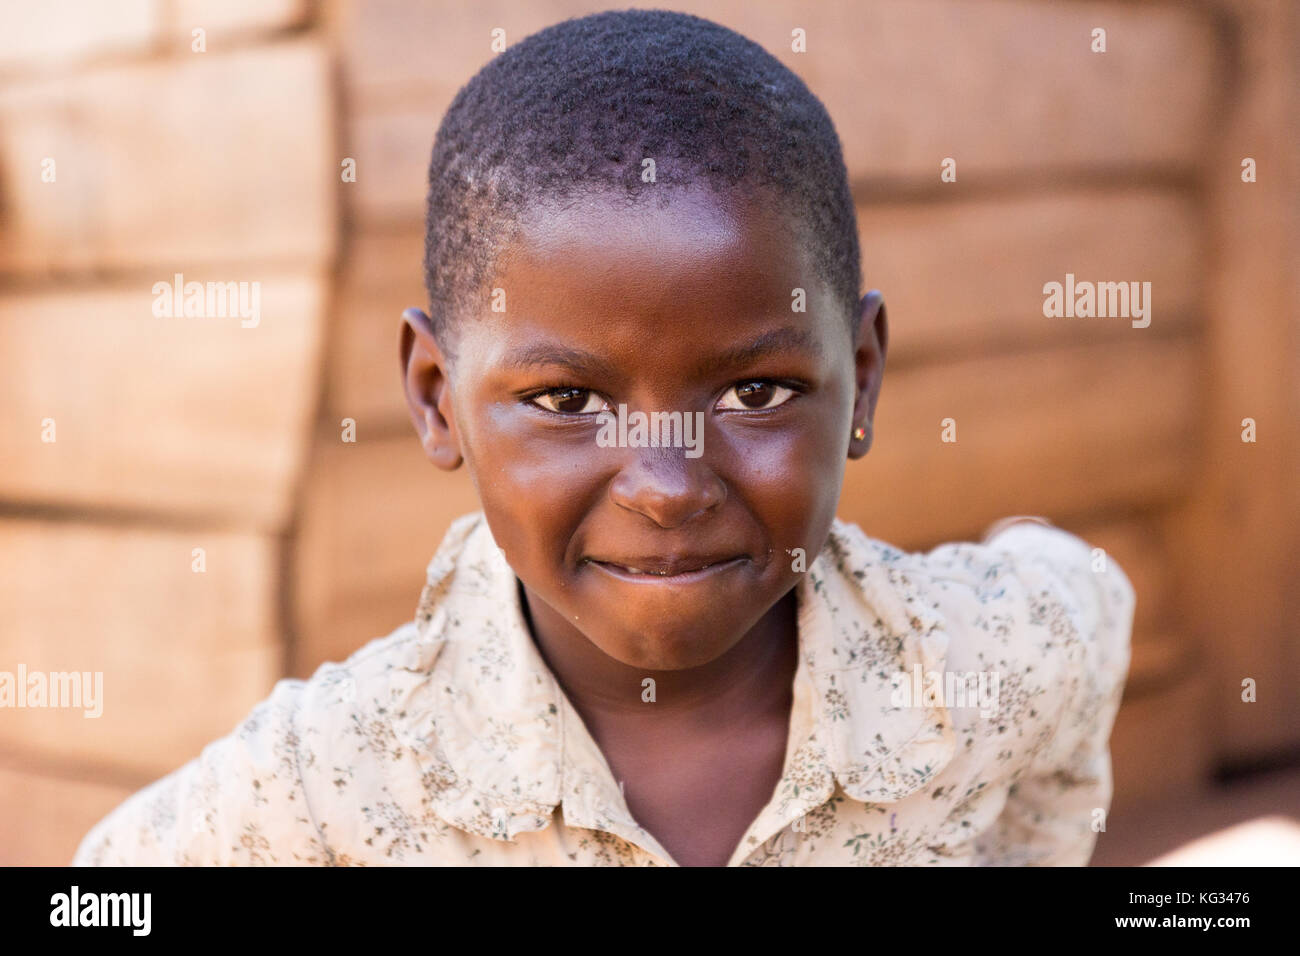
{"x":533,"y":488}
{"x":789,"y":479}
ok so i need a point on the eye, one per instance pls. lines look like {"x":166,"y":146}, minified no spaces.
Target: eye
{"x":756,"y":395}
{"x":570,"y":401}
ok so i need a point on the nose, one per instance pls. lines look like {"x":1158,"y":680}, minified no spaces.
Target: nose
{"x":666,"y":486}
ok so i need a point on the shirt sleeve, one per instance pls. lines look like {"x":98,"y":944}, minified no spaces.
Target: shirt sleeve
{"x":1056,"y":808}
{"x":240,"y":802}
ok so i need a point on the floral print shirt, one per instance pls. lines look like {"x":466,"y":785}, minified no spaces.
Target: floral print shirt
{"x":951,"y":708}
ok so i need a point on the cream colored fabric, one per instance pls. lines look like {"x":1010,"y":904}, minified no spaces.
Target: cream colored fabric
{"x":449,"y":742}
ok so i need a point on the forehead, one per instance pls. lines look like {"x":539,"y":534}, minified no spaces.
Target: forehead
{"x":683,"y":250}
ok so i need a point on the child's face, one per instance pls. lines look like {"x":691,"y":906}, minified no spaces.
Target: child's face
{"x":685,"y":308}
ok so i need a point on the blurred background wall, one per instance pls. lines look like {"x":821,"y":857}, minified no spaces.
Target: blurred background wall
{"x":198,"y":527}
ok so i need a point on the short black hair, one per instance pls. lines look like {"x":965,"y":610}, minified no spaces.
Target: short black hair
{"x":577,"y":106}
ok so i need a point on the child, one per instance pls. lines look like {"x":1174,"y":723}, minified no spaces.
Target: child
{"x":656,"y":644}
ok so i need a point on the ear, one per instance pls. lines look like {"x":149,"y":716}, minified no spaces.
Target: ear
{"x":428,"y":391}
{"x":872,"y":338}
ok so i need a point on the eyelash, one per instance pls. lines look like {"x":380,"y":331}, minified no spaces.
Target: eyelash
{"x":796,"y":389}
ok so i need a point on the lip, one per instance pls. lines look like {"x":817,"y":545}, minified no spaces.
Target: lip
{"x":675,"y":571}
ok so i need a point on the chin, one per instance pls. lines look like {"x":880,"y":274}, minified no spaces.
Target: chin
{"x":673,"y":650}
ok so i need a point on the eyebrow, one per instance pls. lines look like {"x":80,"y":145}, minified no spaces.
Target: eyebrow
{"x":545,"y":354}
{"x":785,"y":339}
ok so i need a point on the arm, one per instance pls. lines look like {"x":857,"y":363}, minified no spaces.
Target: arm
{"x":1058,"y":804}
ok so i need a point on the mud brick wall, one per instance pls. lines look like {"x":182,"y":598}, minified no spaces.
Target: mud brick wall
{"x":170,"y":434}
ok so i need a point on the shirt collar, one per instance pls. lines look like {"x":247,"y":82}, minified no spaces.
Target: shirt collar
{"x":500,"y":746}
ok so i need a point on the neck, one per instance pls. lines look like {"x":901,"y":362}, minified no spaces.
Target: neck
{"x":755,"y":675}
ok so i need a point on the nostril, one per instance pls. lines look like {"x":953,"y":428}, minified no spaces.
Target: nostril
{"x":669,"y":494}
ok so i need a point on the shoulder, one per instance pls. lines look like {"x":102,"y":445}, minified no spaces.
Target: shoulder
{"x":1031,"y":599}
{"x":314,"y":751}
{"x":257,"y":796}
{"x":1038,"y":564}
{"x":343,"y":694}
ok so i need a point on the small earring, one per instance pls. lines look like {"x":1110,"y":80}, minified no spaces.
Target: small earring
{"x":859,"y":433}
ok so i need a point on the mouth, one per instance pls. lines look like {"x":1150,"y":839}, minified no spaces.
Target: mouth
{"x":679,"y":571}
